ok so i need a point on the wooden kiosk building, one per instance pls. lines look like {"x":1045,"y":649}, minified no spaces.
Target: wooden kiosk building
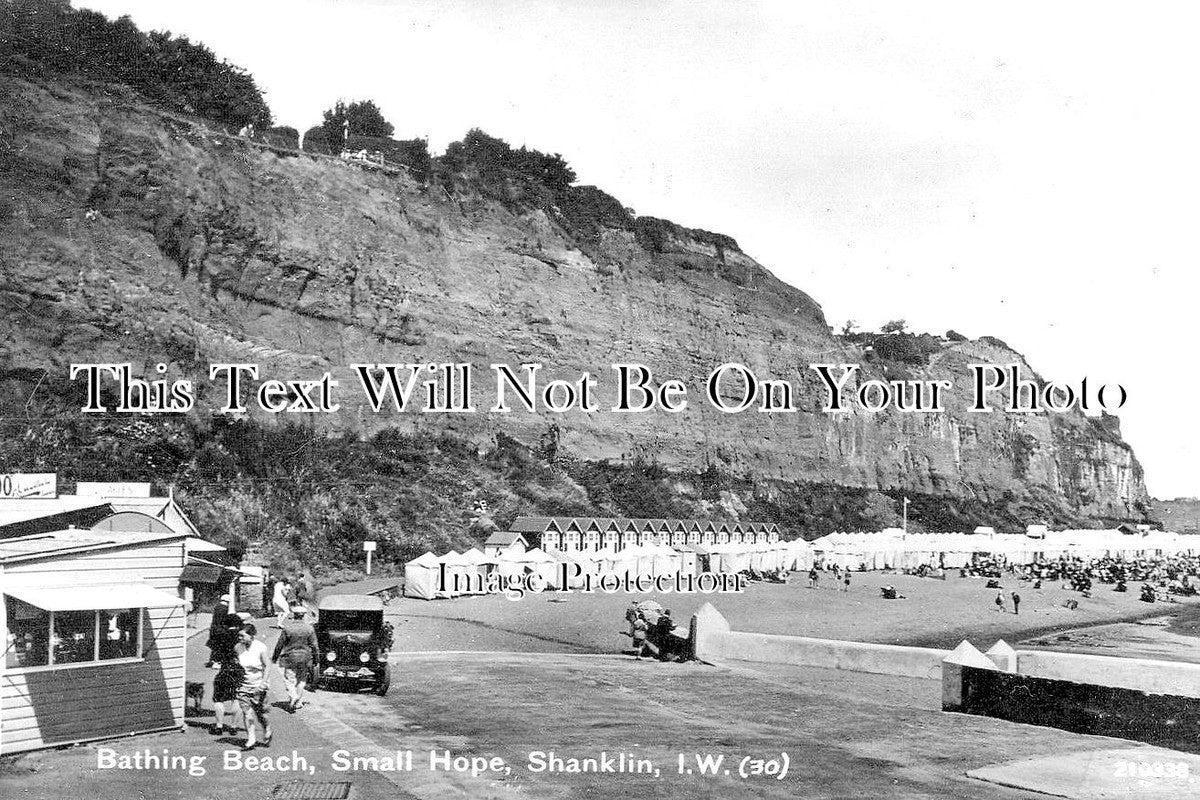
{"x":94,"y":636}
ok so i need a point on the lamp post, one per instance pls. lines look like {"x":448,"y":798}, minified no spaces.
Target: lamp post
{"x":906,"y":502}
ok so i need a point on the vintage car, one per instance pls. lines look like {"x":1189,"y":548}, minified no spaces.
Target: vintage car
{"x":354,"y":641}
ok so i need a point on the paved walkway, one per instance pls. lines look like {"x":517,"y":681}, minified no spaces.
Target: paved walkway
{"x":305,"y":739}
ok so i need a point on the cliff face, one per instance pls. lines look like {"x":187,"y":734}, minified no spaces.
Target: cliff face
{"x":127,"y":235}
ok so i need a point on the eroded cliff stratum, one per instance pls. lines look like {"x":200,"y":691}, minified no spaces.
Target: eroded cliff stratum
{"x":129,"y":235}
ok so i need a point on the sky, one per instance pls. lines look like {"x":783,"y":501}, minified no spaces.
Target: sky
{"x":1027,"y":170}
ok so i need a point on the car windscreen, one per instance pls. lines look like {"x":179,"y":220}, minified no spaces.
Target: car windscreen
{"x":347,"y":621}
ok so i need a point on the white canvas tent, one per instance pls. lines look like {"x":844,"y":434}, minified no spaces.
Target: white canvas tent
{"x":482,"y":565}
{"x":420,"y":577}
{"x":545,"y":567}
{"x":454,"y":575}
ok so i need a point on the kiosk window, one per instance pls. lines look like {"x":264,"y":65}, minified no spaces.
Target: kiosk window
{"x":28,"y":642}
{"x":74,"y":636}
{"x":40,"y":638}
{"x":119,"y":633}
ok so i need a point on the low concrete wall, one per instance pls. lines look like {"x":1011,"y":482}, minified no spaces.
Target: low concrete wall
{"x":1157,"y":677}
{"x":713,"y":640}
{"x":1163,"y":720}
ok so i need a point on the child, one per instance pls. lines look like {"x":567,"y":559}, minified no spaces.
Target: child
{"x":639,"y":636}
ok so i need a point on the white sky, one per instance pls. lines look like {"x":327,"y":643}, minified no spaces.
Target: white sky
{"x":1027,"y":171}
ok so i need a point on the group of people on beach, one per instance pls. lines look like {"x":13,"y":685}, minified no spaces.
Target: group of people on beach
{"x":243,"y":668}
{"x":841,"y":577}
{"x":1016,"y":602}
{"x":652,"y":632}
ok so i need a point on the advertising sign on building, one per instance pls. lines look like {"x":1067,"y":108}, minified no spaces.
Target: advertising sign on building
{"x":105,"y":489}
{"x":16,"y":485}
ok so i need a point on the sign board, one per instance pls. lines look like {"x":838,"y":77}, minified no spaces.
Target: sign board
{"x":14,"y":485}
{"x":369,"y":546}
{"x":102,"y":489}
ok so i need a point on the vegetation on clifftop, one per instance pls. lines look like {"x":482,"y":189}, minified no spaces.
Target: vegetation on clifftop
{"x":168,"y":70}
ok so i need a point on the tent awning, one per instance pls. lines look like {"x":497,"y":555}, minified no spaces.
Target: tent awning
{"x":88,"y":598}
{"x":206,"y":573}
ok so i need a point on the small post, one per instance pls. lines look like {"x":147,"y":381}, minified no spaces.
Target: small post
{"x":369,"y":548}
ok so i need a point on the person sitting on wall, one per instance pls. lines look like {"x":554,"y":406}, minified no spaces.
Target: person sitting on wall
{"x":664,"y":636}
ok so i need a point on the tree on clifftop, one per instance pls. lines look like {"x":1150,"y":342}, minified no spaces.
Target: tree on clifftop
{"x":364,"y":117}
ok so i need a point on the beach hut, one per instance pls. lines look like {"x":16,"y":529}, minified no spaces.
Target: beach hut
{"x":575,"y":577}
{"x":511,"y":565}
{"x":544,"y":566}
{"x":688,"y":558}
{"x":455,"y":575}
{"x":666,"y":561}
{"x":421,"y":577}
{"x":481,"y":567}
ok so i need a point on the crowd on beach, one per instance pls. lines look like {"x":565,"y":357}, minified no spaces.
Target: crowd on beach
{"x":1160,"y":576}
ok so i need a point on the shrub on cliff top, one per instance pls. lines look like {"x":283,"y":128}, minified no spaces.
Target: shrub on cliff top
{"x":168,"y":70}
{"x":364,"y":118}
{"x":495,"y":161}
{"x":315,"y":141}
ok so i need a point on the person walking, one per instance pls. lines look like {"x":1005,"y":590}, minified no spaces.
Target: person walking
{"x":222,"y":641}
{"x":252,"y":693}
{"x":214,"y":633}
{"x":296,"y":654}
{"x":846,"y":580}
{"x":812,"y":578}
{"x":281,"y":601}
{"x":306,"y":591}
{"x":1016,"y":598}
{"x":1000,"y":601}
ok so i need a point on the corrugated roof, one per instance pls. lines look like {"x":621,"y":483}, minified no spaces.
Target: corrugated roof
{"x":25,"y":508}
{"x":533,"y":524}
{"x":45,"y":545}
{"x":504,"y":538}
